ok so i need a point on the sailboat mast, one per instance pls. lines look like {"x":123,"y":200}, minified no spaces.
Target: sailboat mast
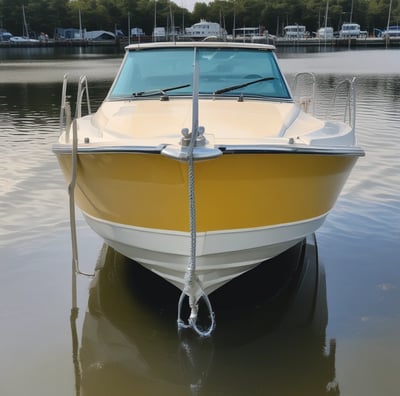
{"x":390,"y":11}
{"x":171,"y":15}
{"x":80,"y":25}
{"x":183,"y":19}
{"x":129,"y":27}
{"x":25,"y":26}
{"x":234,"y":22}
{"x":155,"y":21}
{"x":351,"y":12}
{"x":326,"y":15}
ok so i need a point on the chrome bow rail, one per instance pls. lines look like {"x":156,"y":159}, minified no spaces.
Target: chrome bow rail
{"x":66,"y":122}
{"x":65,"y":111}
{"x":308,"y":102}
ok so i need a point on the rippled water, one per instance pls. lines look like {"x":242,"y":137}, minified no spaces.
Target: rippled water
{"x":337,"y":335}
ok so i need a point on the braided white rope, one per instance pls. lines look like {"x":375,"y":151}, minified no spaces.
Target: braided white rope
{"x":192,"y":282}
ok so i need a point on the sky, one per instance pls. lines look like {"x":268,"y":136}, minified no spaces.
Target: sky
{"x":189,"y":4}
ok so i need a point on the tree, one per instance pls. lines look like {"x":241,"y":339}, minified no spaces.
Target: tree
{"x":11,"y":16}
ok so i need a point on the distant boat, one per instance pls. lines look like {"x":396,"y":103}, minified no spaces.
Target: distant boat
{"x":252,"y":34}
{"x":99,"y":35}
{"x":24,"y":39}
{"x":351,"y":30}
{"x":294,"y":32}
{"x":391,"y":31}
{"x":4,"y":35}
{"x":325,"y":33}
{"x":204,"y":29}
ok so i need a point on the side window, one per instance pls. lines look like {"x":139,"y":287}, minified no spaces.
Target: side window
{"x":142,"y":71}
{"x":129,"y":79}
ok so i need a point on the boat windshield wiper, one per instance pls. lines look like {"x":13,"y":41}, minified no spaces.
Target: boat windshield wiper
{"x":159,"y":91}
{"x":233,"y":87}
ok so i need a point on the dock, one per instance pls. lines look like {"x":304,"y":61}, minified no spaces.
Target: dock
{"x":369,"y":42}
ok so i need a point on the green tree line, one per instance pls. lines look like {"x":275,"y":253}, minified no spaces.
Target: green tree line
{"x":46,"y":15}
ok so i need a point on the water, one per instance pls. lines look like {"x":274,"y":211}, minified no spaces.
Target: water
{"x":333,"y":330}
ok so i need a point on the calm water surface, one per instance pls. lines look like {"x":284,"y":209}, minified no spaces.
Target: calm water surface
{"x":333,"y":329}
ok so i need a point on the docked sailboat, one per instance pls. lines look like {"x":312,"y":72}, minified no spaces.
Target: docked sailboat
{"x":326,"y":32}
{"x":200,"y":165}
{"x":25,"y":38}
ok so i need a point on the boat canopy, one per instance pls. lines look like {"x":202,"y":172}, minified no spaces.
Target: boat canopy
{"x":228,"y":70}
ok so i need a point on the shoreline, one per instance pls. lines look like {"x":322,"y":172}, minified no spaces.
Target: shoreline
{"x":372,"y":42}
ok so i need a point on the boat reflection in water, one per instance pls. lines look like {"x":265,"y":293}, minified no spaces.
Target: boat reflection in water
{"x":270,"y":335}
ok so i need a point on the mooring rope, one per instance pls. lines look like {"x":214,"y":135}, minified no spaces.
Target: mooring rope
{"x":192,"y":281}
{"x":72,"y":223}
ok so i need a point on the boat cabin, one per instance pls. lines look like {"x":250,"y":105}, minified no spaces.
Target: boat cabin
{"x":204,"y":29}
{"x":247,"y":32}
{"x":350,"y":30}
{"x":325,"y":33}
{"x":294,"y":32}
{"x":391,"y":31}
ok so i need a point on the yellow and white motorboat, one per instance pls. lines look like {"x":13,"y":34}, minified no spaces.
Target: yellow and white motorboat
{"x":200,"y":165}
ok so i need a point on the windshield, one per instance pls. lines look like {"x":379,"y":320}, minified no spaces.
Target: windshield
{"x":248,"y":72}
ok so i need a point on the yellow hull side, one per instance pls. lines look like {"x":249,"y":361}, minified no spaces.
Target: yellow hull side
{"x":233,"y":191}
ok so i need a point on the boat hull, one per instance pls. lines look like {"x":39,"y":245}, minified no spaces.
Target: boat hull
{"x":220,"y":256}
{"x":249,"y":207}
